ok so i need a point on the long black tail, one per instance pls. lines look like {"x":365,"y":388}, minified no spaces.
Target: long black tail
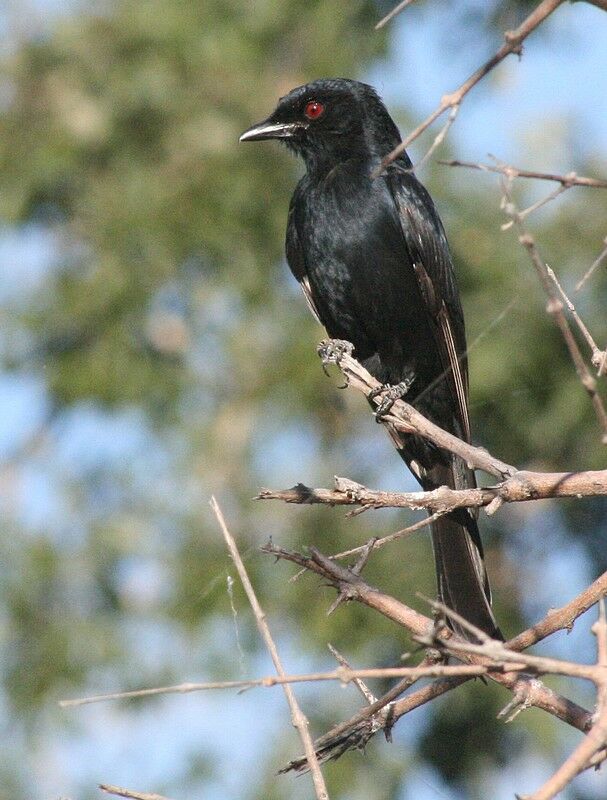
{"x":461,"y":576}
{"x":460,"y":568}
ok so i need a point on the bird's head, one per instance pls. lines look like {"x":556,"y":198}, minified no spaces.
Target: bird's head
{"x":330,"y":121}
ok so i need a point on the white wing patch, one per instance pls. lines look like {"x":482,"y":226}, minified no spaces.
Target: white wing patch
{"x":442,"y":316}
{"x":456,"y":369}
{"x":305,"y":286}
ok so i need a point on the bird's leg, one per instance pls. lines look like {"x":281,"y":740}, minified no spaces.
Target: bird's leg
{"x":389,"y":394}
{"x":331,"y":351}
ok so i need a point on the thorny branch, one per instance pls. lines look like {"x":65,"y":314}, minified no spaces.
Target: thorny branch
{"x":493,"y":658}
{"x":513,"y":44}
{"x":519,"y":487}
{"x":515,"y":486}
{"x":352,"y":587}
{"x":527,"y":692}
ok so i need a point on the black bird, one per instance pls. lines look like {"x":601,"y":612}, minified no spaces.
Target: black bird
{"x":372,"y":258}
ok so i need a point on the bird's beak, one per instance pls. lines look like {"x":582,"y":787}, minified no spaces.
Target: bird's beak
{"x":271,"y":130}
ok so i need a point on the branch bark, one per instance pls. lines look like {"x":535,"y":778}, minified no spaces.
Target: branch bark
{"x":522,"y":486}
{"x":568,"y":180}
{"x":360,"y":726}
{"x":406,"y":418}
{"x":352,"y":587}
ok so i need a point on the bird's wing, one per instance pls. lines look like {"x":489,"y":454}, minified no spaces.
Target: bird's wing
{"x":429,"y":252}
{"x":296,"y":260}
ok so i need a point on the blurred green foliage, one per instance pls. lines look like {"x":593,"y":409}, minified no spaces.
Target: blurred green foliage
{"x":167,"y":321}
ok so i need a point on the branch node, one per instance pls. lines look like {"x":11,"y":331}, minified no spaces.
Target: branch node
{"x":450,"y":100}
{"x":351,"y":489}
{"x":494,"y":505}
{"x":570,"y":179}
{"x":522,"y":699}
{"x":554,"y":306}
{"x":514,"y":39}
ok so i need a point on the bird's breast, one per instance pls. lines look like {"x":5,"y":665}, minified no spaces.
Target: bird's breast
{"x":360,"y":272}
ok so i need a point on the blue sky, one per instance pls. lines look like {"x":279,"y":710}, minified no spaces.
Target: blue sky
{"x":543,"y":105}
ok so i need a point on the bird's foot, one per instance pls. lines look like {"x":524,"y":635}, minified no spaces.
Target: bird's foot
{"x":331,"y":351}
{"x":389,"y":394}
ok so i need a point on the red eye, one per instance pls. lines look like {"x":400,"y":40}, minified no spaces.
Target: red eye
{"x":314,"y":110}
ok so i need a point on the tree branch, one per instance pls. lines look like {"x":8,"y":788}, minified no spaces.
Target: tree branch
{"x":571,"y":179}
{"x":384,"y":713}
{"x":513,"y":44}
{"x":522,"y":486}
{"x":352,"y":587}
{"x":404,"y":417}
{"x":593,"y":743}
{"x":590,"y":271}
{"x":559,"y":619}
{"x":391,"y":14}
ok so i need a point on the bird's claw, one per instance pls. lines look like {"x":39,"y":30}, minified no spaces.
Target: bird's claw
{"x":331,"y":351}
{"x":389,"y":395}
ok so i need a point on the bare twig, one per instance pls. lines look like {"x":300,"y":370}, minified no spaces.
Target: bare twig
{"x":344,"y":674}
{"x":440,"y":137}
{"x":596,"y":263}
{"x":555,"y":309}
{"x":567,"y":181}
{"x":358,"y":682}
{"x":375,"y":544}
{"x":520,"y":487}
{"x":390,"y":15}
{"x":596,"y":355}
{"x":120,"y":792}
{"x":501,"y":653}
{"x":524,"y":212}
{"x":513,"y":44}
{"x":299,"y":720}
